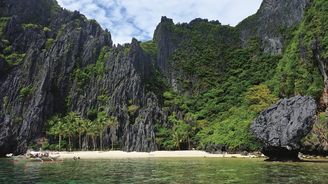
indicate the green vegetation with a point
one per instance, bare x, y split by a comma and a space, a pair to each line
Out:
127, 49
31, 26
156, 82
229, 128
61, 31
149, 47
225, 86
83, 75
203, 60
103, 99
3, 24
49, 43
317, 140
232, 128
259, 97
46, 29
8, 49
14, 59
54, 6
73, 127
93, 21
25, 91
5, 101
298, 72
132, 109
8, 54
18, 120
177, 136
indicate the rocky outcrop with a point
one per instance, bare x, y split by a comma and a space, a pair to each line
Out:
281, 127
163, 37
53, 61
32, 11
167, 42
271, 23
122, 85
36, 88
59, 67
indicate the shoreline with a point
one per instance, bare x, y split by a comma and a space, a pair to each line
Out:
155, 154
87, 155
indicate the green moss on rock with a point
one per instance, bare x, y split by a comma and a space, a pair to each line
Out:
25, 91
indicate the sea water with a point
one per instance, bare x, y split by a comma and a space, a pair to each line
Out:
162, 170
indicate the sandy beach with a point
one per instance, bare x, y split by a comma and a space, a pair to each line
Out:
156, 154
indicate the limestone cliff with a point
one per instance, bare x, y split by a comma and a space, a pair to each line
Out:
272, 21
53, 61
46, 52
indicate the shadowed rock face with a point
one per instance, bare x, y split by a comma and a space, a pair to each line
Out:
271, 15
281, 127
49, 73
55, 43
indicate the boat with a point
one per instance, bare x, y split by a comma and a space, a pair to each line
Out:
32, 156
9, 155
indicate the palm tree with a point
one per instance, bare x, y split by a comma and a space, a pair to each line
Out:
101, 122
87, 126
93, 132
70, 126
112, 123
180, 133
80, 129
56, 128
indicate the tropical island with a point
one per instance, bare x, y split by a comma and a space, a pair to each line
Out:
195, 86
198, 102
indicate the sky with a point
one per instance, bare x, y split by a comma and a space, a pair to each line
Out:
126, 19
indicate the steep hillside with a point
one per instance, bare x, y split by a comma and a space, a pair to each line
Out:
222, 77
195, 85
273, 23
54, 61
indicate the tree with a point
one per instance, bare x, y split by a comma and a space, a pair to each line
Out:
56, 128
81, 127
164, 137
73, 125
71, 122
317, 139
92, 131
101, 124
112, 124
181, 131
191, 120
87, 126
259, 98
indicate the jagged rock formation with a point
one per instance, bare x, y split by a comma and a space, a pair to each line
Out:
163, 38
51, 47
53, 61
271, 22
281, 127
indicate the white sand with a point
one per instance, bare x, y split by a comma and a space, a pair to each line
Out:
156, 154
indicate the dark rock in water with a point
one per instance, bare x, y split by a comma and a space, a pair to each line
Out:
281, 127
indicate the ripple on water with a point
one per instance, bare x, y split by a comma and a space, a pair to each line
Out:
170, 170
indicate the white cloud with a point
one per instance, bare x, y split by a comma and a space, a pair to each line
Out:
138, 18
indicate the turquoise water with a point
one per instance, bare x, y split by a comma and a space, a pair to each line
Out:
195, 170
